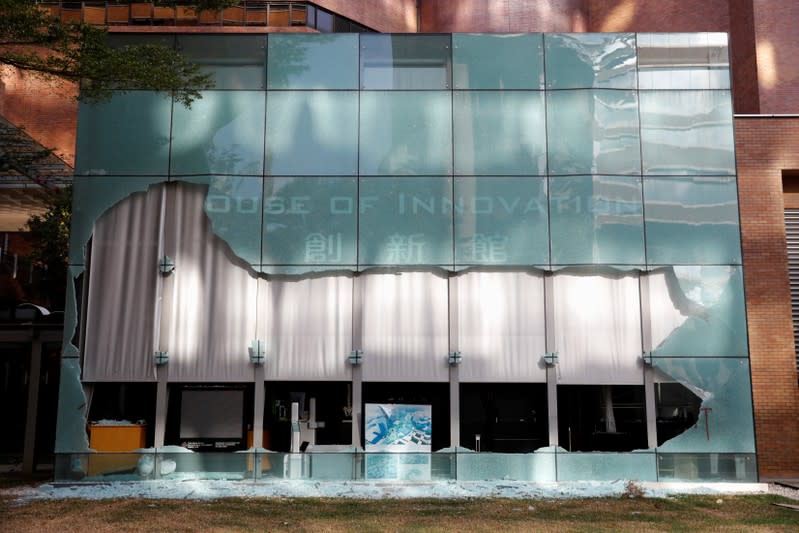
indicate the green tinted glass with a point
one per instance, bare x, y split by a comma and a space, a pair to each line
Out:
501, 221
235, 62
593, 132
312, 133
313, 61
222, 133
232, 204
697, 311
692, 221
498, 61
500, 133
585, 60
126, 135
310, 221
683, 61
596, 220
405, 61
406, 133
724, 422
405, 221
687, 132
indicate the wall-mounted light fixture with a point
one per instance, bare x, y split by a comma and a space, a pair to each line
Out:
257, 352
454, 358
356, 357
160, 358
166, 265
551, 358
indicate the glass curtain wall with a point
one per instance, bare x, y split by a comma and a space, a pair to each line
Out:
577, 192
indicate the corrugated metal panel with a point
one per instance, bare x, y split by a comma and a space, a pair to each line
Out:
792, 237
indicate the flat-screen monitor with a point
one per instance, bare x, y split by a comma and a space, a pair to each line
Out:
211, 418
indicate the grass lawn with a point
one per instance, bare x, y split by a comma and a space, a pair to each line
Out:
690, 513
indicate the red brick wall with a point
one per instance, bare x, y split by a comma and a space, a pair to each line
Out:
746, 96
397, 16
47, 110
777, 53
502, 16
660, 15
765, 147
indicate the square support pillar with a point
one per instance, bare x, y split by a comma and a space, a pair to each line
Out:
552, 370
35, 370
649, 371
357, 372
258, 408
454, 369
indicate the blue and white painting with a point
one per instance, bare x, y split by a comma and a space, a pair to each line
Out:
398, 428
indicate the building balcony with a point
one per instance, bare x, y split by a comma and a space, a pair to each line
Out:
303, 16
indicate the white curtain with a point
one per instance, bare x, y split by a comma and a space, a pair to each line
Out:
210, 319
597, 329
308, 327
122, 287
666, 315
405, 326
501, 327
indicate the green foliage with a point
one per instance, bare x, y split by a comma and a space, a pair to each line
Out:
33, 41
50, 232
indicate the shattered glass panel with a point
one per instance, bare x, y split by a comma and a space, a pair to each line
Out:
498, 61
122, 466
233, 205
725, 416
499, 133
687, 132
310, 221
697, 311
692, 221
593, 132
405, 221
405, 133
91, 197
501, 221
127, 135
72, 410
312, 133
327, 61
641, 466
596, 220
71, 316
222, 133
585, 60
124, 257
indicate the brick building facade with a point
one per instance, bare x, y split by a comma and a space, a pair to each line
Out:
763, 51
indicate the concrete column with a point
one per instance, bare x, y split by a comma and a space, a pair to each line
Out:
258, 408
163, 312
552, 370
649, 371
35, 370
161, 403
454, 370
357, 371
